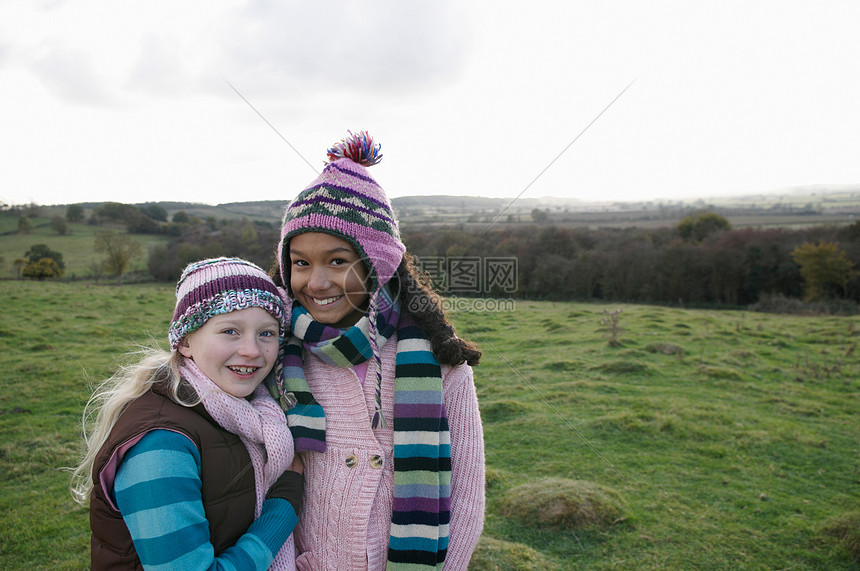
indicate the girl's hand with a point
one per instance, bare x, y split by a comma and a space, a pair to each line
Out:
297, 465
290, 485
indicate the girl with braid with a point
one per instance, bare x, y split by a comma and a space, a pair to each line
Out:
376, 385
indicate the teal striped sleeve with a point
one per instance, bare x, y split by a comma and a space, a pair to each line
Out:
158, 491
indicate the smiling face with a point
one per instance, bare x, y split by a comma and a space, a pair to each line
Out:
235, 350
328, 278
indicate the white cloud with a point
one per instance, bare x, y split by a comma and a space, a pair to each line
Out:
70, 73
385, 48
159, 68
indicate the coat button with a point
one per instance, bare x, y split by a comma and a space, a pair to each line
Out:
376, 461
351, 461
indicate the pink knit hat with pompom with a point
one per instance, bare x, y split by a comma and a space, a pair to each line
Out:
346, 202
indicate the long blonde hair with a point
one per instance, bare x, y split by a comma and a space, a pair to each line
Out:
111, 398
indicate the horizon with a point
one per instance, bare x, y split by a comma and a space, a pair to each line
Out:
810, 190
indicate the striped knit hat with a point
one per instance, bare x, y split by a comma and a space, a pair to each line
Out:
220, 285
346, 202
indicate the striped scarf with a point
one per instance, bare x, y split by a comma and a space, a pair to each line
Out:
422, 445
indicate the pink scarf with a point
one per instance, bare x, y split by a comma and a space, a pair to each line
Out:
261, 426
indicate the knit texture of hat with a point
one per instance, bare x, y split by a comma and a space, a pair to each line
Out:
220, 285
346, 202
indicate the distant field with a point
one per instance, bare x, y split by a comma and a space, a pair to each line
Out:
789, 208
77, 247
649, 220
728, 439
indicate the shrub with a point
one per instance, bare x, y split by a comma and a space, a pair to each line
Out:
59, 225
697, 228
826, 269
41, 269
25, 225
610, 324
39, 251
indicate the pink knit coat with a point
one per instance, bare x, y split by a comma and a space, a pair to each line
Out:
349, 488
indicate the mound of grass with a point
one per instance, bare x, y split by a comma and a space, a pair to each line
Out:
721, 373
474, 329
558, 503
646, 422
551, 326
497, 555
664, 348
846, 530
563, 366
495, 478
624, 368
497, 411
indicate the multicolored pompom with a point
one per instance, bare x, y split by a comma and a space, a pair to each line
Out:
357, 147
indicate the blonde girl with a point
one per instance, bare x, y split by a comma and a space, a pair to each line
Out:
188, 464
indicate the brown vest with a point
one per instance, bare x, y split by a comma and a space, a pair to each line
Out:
226, 473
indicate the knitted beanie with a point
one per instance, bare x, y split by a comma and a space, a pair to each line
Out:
346, 202
220, 285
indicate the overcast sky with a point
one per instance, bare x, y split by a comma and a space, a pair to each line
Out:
130, 101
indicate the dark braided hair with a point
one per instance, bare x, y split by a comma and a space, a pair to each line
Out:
424, 305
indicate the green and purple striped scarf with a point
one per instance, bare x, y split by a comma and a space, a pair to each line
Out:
422, 444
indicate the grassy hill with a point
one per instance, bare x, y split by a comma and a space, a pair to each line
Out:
700, 440
77, 247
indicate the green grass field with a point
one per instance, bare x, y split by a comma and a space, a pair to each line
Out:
713, 439
77, 247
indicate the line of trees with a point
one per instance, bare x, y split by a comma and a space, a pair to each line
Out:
700, 261
252, 241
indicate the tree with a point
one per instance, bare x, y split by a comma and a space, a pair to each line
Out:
155, 211
697, 228
31, 210
25, 225
39, 251
181, 217
825, 269
540, 216
19, 266
136, 220
44, 268
119, 250
59, 225
75, 213
96, 270
116, 211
